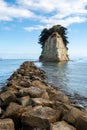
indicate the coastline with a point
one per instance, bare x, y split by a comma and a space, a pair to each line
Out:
36, 104
69, 79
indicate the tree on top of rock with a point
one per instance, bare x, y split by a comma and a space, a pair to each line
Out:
62, 31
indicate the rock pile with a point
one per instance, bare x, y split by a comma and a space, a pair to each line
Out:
28, 102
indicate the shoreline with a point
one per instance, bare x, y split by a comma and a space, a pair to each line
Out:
72, 93
80, 99
28, 102
77, 99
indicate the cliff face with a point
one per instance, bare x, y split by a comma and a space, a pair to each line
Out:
54, 49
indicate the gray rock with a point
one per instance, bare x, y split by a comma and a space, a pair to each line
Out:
62, 125
34, 92
6, 124
40, 84
24, 101
81, 122
59, 96
41, 101
7, 97
72, 115
40, 117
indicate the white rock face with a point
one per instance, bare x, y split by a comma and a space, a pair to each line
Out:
54, 49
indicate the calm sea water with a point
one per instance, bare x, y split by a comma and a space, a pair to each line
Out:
70, 77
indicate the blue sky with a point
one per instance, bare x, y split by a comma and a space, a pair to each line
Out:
21, 22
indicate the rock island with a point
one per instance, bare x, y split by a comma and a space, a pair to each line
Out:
54, 44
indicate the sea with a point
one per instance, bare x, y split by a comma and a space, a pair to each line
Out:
70, 77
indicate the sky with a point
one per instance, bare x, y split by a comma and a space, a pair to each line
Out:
21, 22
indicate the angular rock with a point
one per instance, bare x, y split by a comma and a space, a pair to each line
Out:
6, 124
81, 122
24, 101
24, 83
40, 117
72, 115
60, 96
62, 125
7, 97
21, 71
13, 89
39, 84
14, 111
62, 106
51, 91
34, 92
45, 95
41, 101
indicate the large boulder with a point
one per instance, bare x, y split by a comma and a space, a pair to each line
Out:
6, 124
7, 97
62, 125
59, 96
40, 84
65, 108
34, 92
81, 122
24, 101
73, 115
24, 83
40, 117
14, 111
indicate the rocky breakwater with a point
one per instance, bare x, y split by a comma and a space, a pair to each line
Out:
28, 102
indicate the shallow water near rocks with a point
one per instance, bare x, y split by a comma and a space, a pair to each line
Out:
70, 77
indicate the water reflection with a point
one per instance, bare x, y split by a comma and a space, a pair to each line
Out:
68, 76
57, 73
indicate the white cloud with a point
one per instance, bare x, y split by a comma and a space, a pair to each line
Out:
65, 22
9, 12
38, 27
65, 7
47, 12
41, 5
63, 12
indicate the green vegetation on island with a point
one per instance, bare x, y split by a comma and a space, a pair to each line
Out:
62, 31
